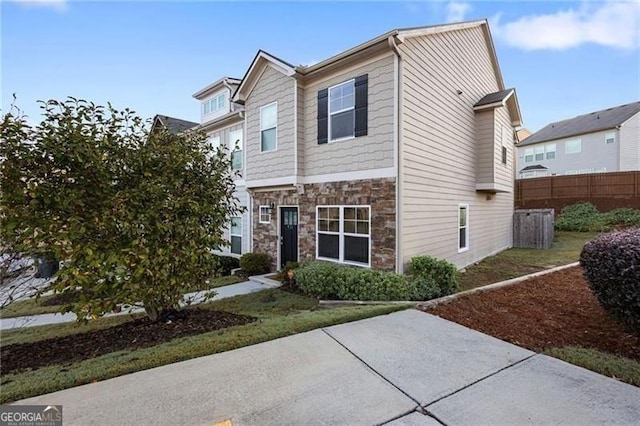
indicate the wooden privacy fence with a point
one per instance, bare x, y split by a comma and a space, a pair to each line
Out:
607, 191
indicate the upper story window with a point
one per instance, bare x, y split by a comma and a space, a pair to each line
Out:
528, 155
610, 137
269, 127
235, 146
539, 150
343, 110
214, 104
573, 146
550, 151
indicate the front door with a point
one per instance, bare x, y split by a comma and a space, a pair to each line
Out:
288, 235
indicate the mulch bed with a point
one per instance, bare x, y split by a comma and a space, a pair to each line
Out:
555, 310
136, 334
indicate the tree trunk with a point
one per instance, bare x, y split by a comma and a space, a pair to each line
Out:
152, 313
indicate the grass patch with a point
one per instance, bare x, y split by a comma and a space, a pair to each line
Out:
621, 368
279, 314
516, 262
29, 306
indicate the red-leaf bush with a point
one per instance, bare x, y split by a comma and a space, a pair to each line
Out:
611, 265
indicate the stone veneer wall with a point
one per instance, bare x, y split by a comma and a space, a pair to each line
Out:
380, 194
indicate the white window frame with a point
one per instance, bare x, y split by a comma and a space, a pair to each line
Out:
548, 150
539, 150
526, 154
329, 113
267, 214
219, 102
609, 136
275, 127
231, 234
573, 151
232, 145
341, 234
466, 228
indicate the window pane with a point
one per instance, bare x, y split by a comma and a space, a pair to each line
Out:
342, 124
350, 226
236, 226
323, 225
329, 246
349, 213
235, 140
463, 216
551, 155
463, 238
334, 225
356, 249
334, 213
269, 117
236, 245
236, 160
363, 228
363, 213
268, 140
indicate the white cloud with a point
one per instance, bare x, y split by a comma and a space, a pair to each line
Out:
612, 24
59, 5
457, 11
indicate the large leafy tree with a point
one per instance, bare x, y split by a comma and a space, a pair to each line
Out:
132, 215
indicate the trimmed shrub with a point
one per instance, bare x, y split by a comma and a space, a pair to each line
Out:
623, 218
611, 265
224, 264
318, 279
255, 263
580, 217
432, 277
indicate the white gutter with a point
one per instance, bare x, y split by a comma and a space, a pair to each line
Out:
396, 148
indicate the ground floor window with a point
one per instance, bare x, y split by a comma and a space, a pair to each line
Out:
344, 234
463, 227
236, 235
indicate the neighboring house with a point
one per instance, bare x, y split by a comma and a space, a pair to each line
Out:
400, 146
601, 141
173, 125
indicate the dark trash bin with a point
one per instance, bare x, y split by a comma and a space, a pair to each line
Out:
47, 268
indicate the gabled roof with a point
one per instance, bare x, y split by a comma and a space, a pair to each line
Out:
224, 81
173, 125
388, 40
609, 118
500, 98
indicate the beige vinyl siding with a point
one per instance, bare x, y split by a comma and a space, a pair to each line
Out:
485, 136
629, 137
300, 129
272, 86
373, 151
503, 173
439, 151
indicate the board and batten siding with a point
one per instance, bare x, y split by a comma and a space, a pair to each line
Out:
439, 151
373, 151
242, 196
629, 137
272, 86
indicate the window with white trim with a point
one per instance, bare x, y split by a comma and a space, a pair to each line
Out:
550, 151
235, 147
343, 234
573, 146
265, 214
269, 127
214, 104
463, 227
528, 155
342, 115
610, 137
236, 235
539, 150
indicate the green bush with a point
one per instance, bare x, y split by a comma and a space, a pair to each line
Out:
224, 264
255, 263
318, 279
432, 277
623, 218
580, 217
611, 265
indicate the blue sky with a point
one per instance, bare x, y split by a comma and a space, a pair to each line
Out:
564, 58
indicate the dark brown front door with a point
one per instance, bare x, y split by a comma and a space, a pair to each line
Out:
288, 235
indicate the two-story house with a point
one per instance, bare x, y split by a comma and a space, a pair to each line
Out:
400, 146
601, 141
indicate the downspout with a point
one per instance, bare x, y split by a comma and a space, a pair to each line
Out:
244, 178
397, 99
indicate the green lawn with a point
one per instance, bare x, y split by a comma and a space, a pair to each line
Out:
621, 368
31, 307
279, 314
516, 262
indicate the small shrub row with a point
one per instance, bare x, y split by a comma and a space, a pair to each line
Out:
428, 278
224, 264
584, 216
611, 265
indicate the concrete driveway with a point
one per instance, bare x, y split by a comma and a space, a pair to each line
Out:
406, 368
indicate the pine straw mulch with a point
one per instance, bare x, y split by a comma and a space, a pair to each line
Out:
551, 311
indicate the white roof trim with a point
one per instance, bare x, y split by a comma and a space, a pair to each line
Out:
417, 32
261, 58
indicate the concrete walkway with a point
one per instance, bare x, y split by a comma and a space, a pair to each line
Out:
406, 368
245, 287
